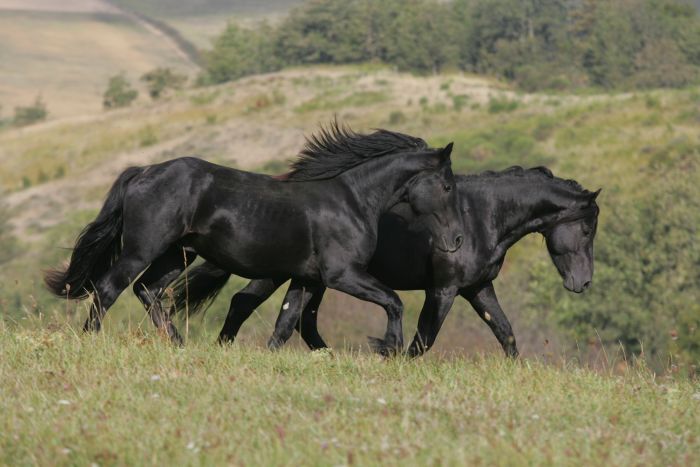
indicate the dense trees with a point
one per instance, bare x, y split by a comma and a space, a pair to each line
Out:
535, 43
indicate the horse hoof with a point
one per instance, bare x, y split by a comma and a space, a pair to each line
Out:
381, 347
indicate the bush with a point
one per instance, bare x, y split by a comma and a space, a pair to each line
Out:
160, 80
30, 114
645, 293
397, 117
502, 104
119, 93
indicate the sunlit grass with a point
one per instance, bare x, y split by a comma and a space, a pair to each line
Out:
134, 399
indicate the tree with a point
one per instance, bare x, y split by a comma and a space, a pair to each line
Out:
119, 93
239, 52
160, 80
325, 31
422, 37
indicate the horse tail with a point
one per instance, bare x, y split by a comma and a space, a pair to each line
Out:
195, 290
97, 246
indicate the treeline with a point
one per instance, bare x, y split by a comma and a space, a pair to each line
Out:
538, 44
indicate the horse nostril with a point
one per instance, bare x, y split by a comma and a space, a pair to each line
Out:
458, 241
586, 285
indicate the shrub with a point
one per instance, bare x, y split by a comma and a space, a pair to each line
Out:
502, 104
160, 80
397, 117
30, 114
119, 93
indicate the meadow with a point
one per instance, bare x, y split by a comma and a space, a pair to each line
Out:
132, 398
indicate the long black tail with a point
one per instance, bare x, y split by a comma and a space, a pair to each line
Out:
196, 289
97, 246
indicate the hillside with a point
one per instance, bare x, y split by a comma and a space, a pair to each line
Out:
66, 52
620, 142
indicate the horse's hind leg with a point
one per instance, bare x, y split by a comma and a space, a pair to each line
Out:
294, 302
308, 325
244, 303
150, 287
111, 284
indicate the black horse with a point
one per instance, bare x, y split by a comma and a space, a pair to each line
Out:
317, 225
500, 209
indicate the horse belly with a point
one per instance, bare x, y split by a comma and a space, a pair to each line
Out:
260, 254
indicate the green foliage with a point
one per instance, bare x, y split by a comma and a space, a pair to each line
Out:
160, 80
537, 44
239, 52
119, 93
397, 117
502, 104
645, 293
30, 114
8, 243
493, 149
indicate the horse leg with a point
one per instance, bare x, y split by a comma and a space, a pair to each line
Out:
112, 284
307, 325
149, 288
294, 302
435, 308
244, 303
486, 305
360, 284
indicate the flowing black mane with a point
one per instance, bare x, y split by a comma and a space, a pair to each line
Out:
540, 171
337, 148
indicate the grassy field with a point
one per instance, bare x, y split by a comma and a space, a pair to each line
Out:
134, 399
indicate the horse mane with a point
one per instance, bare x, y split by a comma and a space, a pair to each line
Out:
541, 171
336, 148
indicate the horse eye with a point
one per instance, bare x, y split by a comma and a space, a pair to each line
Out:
448, 188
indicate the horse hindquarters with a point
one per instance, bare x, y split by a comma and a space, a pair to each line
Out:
153, 222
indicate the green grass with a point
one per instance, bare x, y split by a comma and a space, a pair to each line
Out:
133, 399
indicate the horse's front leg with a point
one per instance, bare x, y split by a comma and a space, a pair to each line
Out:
435, 308
358, 283
486, 304
294, 302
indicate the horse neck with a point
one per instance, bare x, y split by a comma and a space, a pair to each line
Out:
376, 182
517, 207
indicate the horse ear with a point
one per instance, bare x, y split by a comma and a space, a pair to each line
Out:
446, 152
595, 194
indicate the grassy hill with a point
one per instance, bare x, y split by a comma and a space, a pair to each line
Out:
130, 399
66, 52
56, 174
